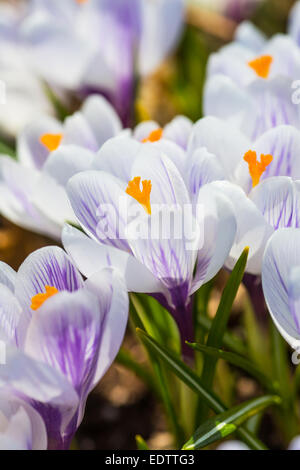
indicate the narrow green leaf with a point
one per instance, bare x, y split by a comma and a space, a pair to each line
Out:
219, 324
7, 150
138, 316
238, 361
282, 372
61, 111
188, 376
230, 341
141, 443
226, 423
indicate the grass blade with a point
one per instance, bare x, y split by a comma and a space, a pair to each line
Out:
226, 423
187, 375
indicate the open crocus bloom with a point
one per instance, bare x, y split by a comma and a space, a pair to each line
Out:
281, 282
62, 335
252, 57
100, 45
49, 153
267, 172
250, 82
145, 220
21, 426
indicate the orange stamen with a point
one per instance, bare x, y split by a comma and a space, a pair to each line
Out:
51, 141
256, 168
81, 1
143, 197
38, 300
154, 136
262, 65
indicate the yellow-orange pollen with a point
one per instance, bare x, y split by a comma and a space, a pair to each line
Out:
81, 1
38, 300
143, 197
154, 136
51, 141
256, 168
262, 65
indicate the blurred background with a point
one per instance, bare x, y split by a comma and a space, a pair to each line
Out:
122, 406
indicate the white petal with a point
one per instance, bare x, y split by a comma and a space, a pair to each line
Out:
282, 255
90, 257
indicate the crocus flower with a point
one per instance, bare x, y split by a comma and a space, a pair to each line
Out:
62, 335
21, 426
281, 282
49, 153
166, 232
262, 181
250, 81
100, 45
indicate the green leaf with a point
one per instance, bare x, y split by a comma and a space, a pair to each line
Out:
226, 423
238, 361
7, 150
157, 320
138, 316
230, 341
219, 324
141, 443
61, 111
188, 376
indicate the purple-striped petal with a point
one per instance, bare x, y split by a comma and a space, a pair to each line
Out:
48, 266
65, 333
202, 167
10, 314
280, 277
47, 390
89, 256
8, 276
275, 198
102, 206
218, 230
24, 428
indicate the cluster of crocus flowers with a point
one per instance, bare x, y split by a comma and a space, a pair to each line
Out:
61, 334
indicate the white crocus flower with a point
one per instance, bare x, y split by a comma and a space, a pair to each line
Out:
50, 152
33, 187
61, 335
165, 229
262, 181
250, 81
